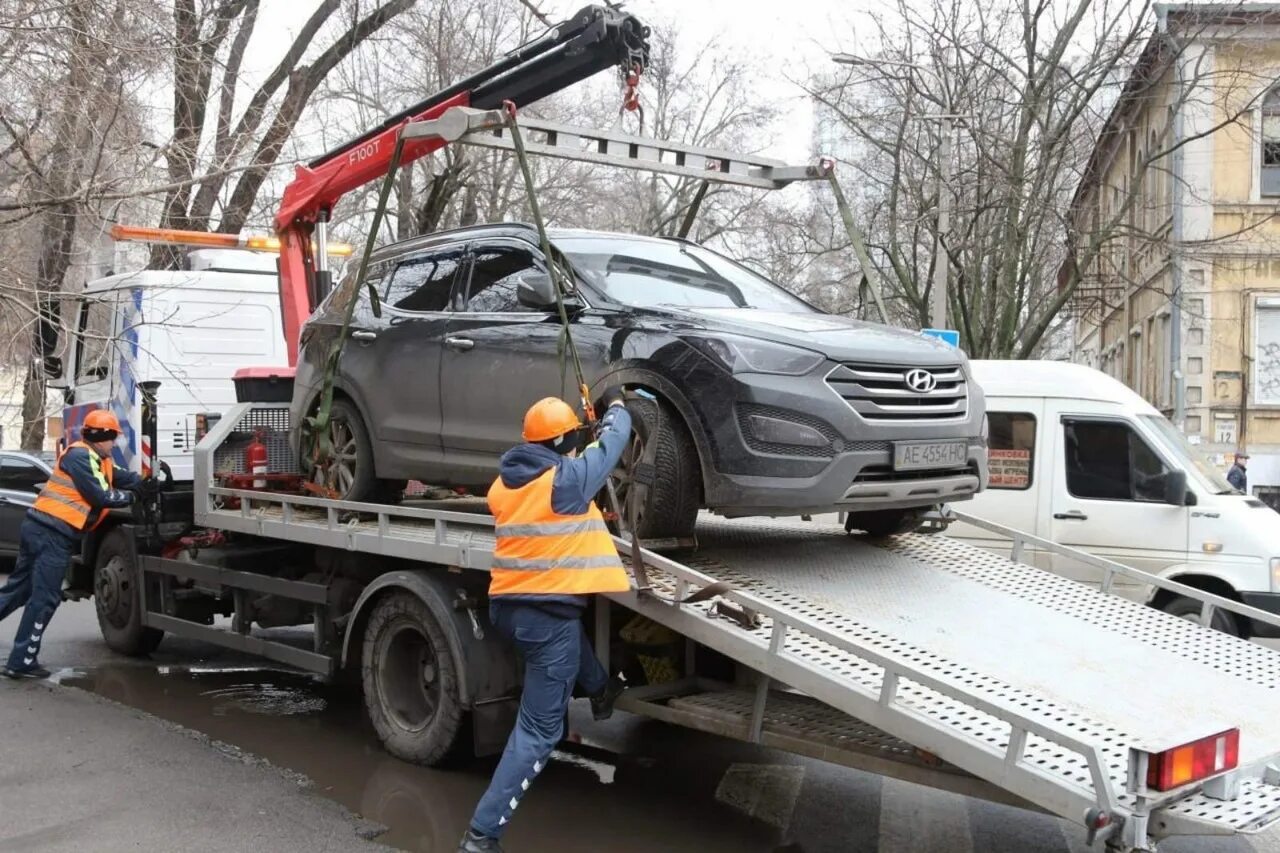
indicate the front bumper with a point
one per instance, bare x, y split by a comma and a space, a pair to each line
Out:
845, 462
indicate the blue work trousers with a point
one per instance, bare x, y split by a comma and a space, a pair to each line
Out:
556, 654
43, 557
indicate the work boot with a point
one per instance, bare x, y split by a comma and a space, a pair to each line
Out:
602, 705
32, 672
474, 842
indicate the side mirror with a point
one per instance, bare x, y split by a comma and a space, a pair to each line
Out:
1175, 488
536, 291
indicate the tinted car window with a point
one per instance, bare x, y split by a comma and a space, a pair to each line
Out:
1109, 461
20, 475
495, 277
651, 273
423, 284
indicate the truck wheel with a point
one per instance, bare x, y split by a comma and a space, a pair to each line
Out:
351, 474
1189, 609
410, 680
885, 522
659, 469
117, 583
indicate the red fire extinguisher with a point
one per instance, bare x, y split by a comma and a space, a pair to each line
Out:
255, 461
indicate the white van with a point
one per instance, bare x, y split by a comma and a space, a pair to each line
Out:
189, 330
1079, 459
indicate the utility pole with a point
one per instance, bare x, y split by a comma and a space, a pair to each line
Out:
941, 264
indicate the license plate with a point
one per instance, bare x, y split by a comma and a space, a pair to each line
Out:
921, 455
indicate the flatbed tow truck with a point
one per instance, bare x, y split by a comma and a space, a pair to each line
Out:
914, 656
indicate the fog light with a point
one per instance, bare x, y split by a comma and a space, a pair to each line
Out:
776, 431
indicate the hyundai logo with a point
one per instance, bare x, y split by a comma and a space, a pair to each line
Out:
921, 381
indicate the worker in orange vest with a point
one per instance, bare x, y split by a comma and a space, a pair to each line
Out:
553, 552
80, 491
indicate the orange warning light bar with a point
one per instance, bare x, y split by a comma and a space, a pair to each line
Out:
139, 234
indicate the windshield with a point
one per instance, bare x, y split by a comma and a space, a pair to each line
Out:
1188, 455
653, 273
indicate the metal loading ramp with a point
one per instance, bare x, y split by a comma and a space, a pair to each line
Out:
1034, 683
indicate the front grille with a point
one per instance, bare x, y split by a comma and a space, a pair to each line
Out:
886, 474
881, 392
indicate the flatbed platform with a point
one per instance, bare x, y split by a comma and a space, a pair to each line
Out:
917, 656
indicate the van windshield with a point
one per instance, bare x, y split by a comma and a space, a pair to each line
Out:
1188, 455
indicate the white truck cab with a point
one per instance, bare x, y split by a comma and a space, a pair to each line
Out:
1078, 458
188, 329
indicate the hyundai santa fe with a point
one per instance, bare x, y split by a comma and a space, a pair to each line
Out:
755, 403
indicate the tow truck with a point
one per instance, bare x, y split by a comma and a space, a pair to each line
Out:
914, 656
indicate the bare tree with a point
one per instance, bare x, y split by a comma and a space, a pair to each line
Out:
1028, 86
72, 118
211, 42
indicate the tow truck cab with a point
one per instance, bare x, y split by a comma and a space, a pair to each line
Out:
1078, 458
187, 329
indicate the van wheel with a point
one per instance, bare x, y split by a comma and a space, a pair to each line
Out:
410, 681
885, 522
1189, 609
350, 474
117, 581
659, 469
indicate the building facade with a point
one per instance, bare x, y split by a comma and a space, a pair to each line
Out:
1177, 233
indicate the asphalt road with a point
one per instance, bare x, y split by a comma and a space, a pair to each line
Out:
203, 749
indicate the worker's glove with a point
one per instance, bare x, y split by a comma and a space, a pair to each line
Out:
147, 487
614, 396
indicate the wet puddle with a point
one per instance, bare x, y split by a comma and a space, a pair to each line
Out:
640, 787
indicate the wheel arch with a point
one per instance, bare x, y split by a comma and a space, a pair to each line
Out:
666, 391
485, 665
1206, 583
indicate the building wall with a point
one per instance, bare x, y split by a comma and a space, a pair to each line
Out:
1230, 267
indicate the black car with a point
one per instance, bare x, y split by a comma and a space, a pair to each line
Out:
22, 476
764, 404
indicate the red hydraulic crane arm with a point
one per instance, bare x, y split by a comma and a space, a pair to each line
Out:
596, 38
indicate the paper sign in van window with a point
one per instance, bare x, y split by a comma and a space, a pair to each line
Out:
1010, 469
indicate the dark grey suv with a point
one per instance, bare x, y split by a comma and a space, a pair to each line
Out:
764, 405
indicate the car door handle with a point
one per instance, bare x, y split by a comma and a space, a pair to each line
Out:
459, 343
364, 335
1073, 515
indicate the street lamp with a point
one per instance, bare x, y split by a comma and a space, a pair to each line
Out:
941, 268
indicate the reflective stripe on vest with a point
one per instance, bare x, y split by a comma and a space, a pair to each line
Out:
540, 552
60, 499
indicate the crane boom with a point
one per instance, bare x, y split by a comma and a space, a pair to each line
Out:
596, 38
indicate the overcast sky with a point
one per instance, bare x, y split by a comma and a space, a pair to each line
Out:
788, 39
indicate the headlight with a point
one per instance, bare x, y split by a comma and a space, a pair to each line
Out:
753, 355
1275, 574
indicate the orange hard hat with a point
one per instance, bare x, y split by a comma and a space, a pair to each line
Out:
549, 418
101, 419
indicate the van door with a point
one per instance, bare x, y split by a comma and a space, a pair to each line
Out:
1108, 499
1018, 473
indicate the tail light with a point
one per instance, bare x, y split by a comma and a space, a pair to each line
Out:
1193, 761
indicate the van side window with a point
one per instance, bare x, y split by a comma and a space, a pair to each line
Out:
1107, 460
1011, 448
423, 284
495, 277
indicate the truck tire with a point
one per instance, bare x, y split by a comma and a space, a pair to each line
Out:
662, 450
351, 474
117, 582
880, 523
1188, 608
410, 680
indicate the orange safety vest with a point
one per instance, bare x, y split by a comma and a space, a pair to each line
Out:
541, 552
60, 499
